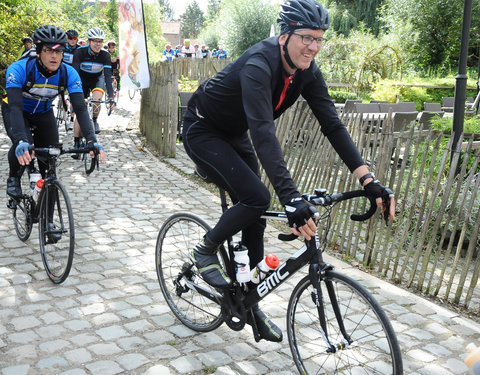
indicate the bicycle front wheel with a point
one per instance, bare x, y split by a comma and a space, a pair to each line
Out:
178, 277
374, 349
56, 232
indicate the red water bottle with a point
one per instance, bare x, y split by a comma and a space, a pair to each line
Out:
267, 264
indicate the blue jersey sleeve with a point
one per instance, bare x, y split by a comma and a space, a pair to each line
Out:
16, 74
74, 83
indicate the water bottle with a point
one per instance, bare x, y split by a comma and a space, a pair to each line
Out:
473, 359
242, 263
267, 264
38, 188
34, 177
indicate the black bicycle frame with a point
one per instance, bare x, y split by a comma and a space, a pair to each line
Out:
309, 252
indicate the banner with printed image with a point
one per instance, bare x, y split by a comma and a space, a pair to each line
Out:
134, 73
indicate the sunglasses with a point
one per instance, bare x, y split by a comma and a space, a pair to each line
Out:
73, 38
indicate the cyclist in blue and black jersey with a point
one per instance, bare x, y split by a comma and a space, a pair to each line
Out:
229, 126
71, 46
32, 84
94, 65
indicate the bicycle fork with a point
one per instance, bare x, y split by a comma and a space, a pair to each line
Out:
318, 274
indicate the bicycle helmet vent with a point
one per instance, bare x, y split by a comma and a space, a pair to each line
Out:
95, 33
50, 36
302, 14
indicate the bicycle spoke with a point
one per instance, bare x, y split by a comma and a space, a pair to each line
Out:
56, 233
374, 349
178, 279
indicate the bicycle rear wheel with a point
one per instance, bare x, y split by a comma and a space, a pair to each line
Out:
374, 349
56, 232
177, 275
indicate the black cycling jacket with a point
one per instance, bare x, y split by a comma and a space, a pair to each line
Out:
90, 66
244, 95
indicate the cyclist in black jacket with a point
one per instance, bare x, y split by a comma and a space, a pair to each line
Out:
248, 95
94, 65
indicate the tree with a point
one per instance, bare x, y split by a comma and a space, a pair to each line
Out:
213, 8
111, 15
20, 18
155, 40
166, 9
431, 31
347, 15
192, 20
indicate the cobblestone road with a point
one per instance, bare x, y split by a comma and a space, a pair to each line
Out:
109, 316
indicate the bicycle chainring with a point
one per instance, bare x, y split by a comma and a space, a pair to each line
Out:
233, 310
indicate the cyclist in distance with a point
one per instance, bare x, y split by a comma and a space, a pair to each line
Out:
27, 113
249, 94
112, 50
94, 65
27, 49
71, 46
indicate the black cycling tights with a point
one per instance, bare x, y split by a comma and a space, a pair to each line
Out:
41, 130
231, 163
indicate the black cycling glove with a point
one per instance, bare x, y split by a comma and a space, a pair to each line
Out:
298, 212
376, 190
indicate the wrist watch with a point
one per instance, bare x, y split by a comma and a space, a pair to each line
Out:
365, 176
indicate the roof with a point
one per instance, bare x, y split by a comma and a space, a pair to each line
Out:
172, 27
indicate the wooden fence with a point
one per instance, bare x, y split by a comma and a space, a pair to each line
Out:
159, 105
432, 246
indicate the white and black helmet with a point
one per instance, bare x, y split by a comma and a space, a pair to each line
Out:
302, 14
95, 33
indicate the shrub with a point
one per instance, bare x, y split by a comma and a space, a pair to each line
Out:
342, 96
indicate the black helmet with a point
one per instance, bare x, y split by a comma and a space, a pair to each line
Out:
111, 44
50, 36
72, 33
27, 39
302, 14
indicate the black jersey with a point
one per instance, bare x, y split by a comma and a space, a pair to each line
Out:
90, 66
250, 93
68, 53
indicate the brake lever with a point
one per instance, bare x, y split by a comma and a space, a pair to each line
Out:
386, 204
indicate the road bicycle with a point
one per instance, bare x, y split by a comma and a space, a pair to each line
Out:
52, 211
334, 325
63, 114
93, 103
87, 160
116, 91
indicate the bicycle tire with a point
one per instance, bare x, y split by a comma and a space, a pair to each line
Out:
22, 209
57, 253
375, 348
61, 113
131, 93
177, 237
22, 217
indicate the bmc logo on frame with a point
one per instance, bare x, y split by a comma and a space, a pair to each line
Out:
272, 281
